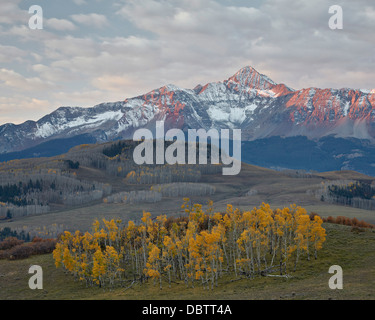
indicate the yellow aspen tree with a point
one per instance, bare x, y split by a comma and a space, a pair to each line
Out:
317, 235
302, 236
112, 263
146, 235
129, 239
287, 246
279, 230
152, 269
160, 227
99, 267
58, 254
169, 255
112, 231
194, 262
68, 260
245, 243
212, 253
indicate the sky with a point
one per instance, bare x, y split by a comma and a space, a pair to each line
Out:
94, 51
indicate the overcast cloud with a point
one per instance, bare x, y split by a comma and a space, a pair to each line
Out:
99, 51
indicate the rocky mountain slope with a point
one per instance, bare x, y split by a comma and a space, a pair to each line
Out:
248, 100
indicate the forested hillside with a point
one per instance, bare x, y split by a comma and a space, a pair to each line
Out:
38, 186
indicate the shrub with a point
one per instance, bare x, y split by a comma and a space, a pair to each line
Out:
312, 215
354, 222
20, 252
24, 250
9, 243
3, 254
330, 219
43, 246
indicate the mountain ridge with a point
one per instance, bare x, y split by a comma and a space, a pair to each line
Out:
248, 100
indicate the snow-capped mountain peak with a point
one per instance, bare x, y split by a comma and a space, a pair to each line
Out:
247, 100
250, 77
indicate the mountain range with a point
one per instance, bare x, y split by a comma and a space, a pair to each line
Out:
250, 101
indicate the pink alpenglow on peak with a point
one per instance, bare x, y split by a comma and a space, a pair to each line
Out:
248, 100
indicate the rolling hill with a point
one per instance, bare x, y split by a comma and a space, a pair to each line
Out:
85, 184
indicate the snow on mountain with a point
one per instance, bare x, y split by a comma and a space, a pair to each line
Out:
47, 129
248, 100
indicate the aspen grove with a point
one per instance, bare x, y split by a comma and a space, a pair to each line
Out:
197, 248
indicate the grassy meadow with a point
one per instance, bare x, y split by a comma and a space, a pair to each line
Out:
353, 251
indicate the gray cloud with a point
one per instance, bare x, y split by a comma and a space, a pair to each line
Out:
182, 42
91, 19
60, 24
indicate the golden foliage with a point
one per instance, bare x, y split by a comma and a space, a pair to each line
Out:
198, 248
